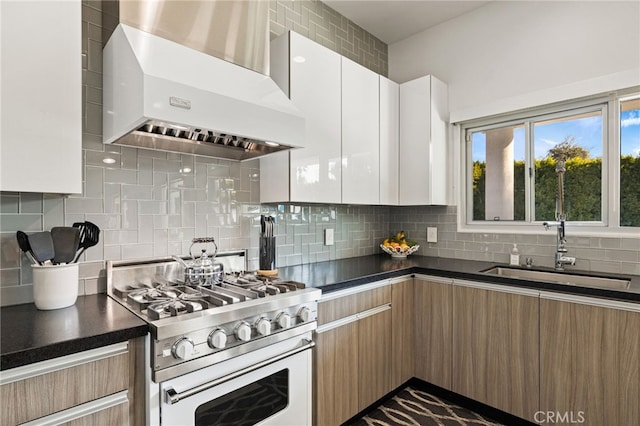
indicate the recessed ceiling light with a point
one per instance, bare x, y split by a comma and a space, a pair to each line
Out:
185, 170
108, 160
299, 59
272, 143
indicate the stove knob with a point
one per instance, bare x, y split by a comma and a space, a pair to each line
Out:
284, 320
217, 339
243, 332
183, 348
263, 326
305, 314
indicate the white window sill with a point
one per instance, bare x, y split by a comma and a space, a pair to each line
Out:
572, 229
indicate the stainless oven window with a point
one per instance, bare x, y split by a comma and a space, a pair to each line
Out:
247, 405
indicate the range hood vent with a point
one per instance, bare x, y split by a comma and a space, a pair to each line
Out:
162, 95
189, 140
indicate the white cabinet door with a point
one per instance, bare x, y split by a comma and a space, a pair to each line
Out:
41, 134
315, 90
423, 141
389, 143
310, 74
360, 134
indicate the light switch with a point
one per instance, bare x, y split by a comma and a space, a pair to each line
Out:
432, 234
328, 237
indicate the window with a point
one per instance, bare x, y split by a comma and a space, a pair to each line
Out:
577, 141
630, 162
498, 173
556, 162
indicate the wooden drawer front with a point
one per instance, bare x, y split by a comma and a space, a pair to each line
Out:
336, 375
48, 393
118, 415
351, 304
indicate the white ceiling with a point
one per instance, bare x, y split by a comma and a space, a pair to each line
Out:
395, 20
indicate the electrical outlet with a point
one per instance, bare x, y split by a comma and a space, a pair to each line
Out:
328, 237
432, 234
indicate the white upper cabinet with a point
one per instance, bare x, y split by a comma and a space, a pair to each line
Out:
423, 142
360, 134
41, 83
368, 139
310, 74
389, 134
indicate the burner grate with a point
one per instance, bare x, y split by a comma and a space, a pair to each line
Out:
175, 307
162, 298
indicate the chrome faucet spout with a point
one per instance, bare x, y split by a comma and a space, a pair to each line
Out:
547, 225
561, 258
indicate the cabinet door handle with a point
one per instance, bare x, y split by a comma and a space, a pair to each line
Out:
352, 318
81, 410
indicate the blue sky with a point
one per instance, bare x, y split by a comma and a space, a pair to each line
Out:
587, 132
630, 132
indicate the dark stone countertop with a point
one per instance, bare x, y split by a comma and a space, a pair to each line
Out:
28, 335
344, 273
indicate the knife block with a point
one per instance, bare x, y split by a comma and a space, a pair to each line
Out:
267, 253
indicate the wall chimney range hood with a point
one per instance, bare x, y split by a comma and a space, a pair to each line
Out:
164, 95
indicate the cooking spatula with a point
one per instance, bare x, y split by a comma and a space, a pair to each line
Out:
66, 240
23, 243
89, 236
42, 246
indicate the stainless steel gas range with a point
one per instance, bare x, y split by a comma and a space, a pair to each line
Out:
236, 351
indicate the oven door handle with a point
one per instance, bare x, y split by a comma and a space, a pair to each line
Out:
172, 397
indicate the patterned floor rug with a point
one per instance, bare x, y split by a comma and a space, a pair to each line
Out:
416, 408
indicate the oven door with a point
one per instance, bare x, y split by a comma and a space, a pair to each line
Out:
274, 391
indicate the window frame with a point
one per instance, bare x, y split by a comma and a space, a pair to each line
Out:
609, 225
616, 154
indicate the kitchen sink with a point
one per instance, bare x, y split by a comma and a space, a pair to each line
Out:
559, 277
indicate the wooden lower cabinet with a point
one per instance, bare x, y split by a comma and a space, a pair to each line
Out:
590, 364
59, 386
374, 358
532, 354
351, 367
496, 349
353, 355
432, 331
336, 375
402, 333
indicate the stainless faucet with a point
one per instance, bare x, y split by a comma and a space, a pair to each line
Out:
561, 250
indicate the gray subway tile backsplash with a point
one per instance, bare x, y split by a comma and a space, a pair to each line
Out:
121, 176
607, 243
630, 244
621, 255
9, 277
9, 203
21, 222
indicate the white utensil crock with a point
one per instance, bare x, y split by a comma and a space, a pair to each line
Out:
55, 286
